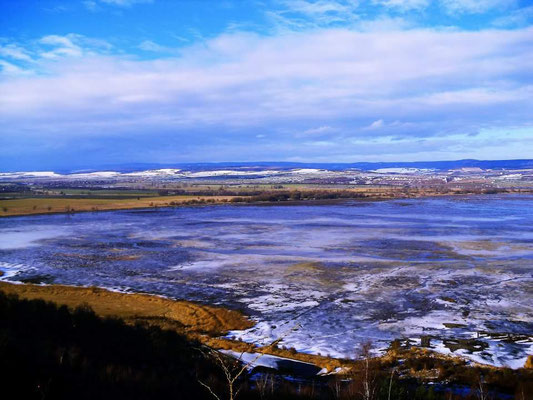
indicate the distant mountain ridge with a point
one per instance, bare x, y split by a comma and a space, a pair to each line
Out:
250, 166
365, 166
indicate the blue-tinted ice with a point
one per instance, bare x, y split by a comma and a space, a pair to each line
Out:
452, 268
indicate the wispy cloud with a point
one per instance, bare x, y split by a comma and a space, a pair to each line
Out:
436, 81
99, 5
14, 51
325, 81
60, 46
125, 3
474, 6
91, 5
18, 58
319, 130
312, 14
404, 5
8, 68
71, 45
515, 18
379, 123
330, 10
148, 45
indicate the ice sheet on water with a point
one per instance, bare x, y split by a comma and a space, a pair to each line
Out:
18, 238
10, 270
323, 278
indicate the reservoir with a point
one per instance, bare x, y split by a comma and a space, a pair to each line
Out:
326, 277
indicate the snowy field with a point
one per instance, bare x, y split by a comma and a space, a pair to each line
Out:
324, 277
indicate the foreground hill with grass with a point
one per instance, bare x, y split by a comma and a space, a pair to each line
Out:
140, 347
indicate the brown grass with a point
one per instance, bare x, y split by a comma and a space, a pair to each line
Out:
186, 317
201, 322
47, 205
50, 205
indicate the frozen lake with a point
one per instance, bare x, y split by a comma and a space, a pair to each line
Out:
457, 269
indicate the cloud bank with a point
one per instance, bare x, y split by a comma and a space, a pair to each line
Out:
374, 94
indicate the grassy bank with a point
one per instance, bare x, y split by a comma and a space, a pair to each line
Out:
55, 352
116, 345
185, 317
51, 205
126, 199
197, 321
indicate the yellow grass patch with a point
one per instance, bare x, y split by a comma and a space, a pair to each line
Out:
64, 204
184, 316
201, 322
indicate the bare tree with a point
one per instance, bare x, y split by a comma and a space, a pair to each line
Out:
336, 387
482, 392
265, 383
233, 368
368, 373
390, 381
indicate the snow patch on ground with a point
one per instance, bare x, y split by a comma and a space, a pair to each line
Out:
31, 174
401, 170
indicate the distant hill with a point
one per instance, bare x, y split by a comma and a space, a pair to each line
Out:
365, 166
279, 165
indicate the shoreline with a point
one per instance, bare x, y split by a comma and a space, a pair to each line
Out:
147, 203
202, 201
206, 323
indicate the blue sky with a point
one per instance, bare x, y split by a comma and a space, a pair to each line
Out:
94, 82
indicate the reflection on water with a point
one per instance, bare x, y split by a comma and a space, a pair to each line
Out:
451, 268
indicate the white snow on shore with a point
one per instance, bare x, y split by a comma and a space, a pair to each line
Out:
253, 360
401, 170
9, 270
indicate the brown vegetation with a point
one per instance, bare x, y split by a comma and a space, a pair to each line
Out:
366, 377
185, 317
49, 205
202, 322
122, 200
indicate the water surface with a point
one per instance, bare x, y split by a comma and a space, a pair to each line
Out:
456, 269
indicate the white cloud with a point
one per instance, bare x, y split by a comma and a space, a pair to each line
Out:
322, 143
99, 5
125, 3
15, 52
320, 130
320, 7
474, 6
295, 15
91, 5
56, 40
61, 46
383, 24
514, 18
452, 7
71, 45
404, 5
435, 82
148, 45
7, 68
379, 123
